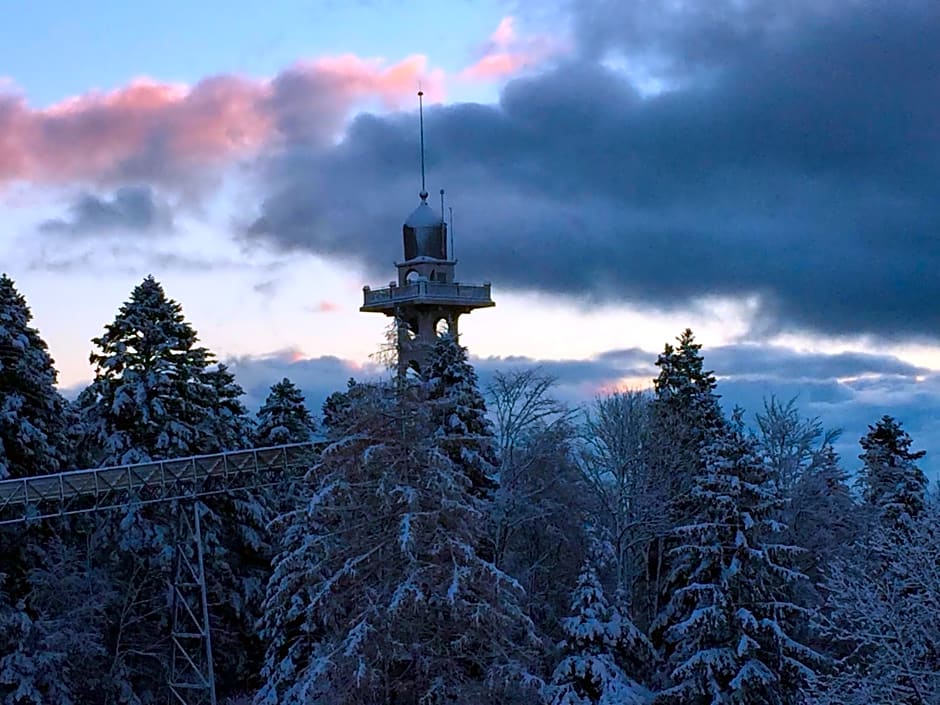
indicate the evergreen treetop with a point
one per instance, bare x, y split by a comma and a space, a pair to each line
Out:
227, 426
32, 413
451, 378
284, 417
149, 334
891, 481
685, 419
152, 397
685, 407
682, 373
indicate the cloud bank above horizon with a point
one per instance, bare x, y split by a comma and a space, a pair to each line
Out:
790, 156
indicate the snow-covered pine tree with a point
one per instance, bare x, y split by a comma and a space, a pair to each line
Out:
32, 413
156, 395
730, 626
685, 421
335, 407
52, 639
228, 425
685, 418
381, 595
151, 396
596, 634
33, 441
284, 417
458, 412
80, 418
29, 673
238, 546
891, 482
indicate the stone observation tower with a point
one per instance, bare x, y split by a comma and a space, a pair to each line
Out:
426, 301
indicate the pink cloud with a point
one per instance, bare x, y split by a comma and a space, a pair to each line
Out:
159, 132
325, 307
505, 32
507, 53
495, 66
395, 85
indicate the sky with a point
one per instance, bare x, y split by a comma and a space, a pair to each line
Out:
765, 173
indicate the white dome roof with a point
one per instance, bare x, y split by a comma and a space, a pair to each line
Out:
423, 217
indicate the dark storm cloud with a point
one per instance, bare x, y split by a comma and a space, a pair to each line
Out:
132, 209
793, 158
778, 362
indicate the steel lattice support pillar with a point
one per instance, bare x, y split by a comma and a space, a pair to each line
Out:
192, 681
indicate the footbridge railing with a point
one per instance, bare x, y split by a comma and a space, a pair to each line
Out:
82, 491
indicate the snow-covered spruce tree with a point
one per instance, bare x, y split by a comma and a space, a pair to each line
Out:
335, 407
151, 396
228, 426
596, 637
891, 482
156, 395
33, 441
239, 548
458, 413
685, 421
32, 413
84, 451
29, 673
730, 624
381, 595
284, 417
685, 418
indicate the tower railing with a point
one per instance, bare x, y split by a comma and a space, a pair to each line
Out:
428, 291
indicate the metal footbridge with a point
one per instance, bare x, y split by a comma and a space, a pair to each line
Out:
42, 497
83, 491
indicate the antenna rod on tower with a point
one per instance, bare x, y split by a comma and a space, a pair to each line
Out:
452, 255
444, 226
424, 190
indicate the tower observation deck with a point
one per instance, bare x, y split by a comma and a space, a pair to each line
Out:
426, 300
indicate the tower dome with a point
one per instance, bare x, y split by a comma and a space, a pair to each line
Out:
425, 233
